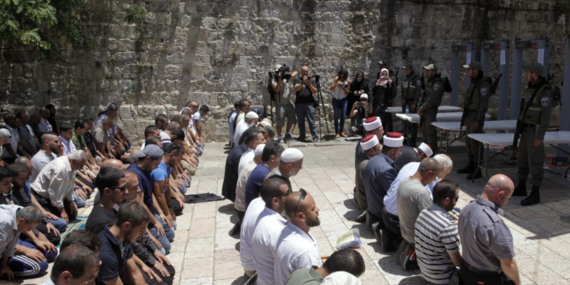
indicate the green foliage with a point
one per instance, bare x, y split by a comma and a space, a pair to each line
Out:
135, 13
39, 23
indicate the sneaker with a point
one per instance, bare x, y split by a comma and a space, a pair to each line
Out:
288, 135
315, 140
408, 258
279, 139
385, 241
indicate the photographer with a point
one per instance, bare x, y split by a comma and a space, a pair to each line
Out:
305, 88
340, 88
283, 105
358, 87
358, 113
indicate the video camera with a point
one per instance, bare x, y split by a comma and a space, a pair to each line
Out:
284, 72
317, 77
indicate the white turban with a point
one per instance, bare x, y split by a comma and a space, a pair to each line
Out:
369, 142
393, 140
426, 149
372, 123
259, 149
291, 155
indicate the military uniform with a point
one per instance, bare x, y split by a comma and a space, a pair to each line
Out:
530, 159
411, 93
476, 106
434, 90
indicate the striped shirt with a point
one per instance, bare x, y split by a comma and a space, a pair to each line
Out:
436, 237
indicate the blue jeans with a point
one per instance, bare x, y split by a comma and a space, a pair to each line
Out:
79, 202
306, 110
59, 224
165, 241
339, 107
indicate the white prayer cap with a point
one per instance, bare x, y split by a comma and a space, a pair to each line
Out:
369, 142
252, 115
259, 149
341, 278
265, 122
372, 123
291, 155
426, 149
393, 139
364, 96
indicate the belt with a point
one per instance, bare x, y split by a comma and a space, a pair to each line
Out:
479, 271
394, 217
525, 125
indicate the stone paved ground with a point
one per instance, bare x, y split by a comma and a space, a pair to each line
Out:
204, 253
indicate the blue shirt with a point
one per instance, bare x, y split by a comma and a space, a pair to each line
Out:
254, 181
378, 176
113, 256
162, 173
146, 184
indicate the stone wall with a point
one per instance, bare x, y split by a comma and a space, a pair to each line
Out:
215, 51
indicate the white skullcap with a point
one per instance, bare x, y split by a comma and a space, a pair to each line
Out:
341, 278
364, 96
393, 140
259, 149
369, 142
291, 155
372, 123
265, 122
252, 115
426, 149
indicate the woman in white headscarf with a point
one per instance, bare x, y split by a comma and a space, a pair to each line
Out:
382, 93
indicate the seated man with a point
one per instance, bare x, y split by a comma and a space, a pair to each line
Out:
101, 135
437, 240
75, 265
347, 260
371, 147
161, 178
80, 128
231, 171
250, 120
53, 187
390, 214
273, 193
50, 147
412, 154
118, 265
412, 198
296, 247
14, 261
239, 204
251, 141
270, 159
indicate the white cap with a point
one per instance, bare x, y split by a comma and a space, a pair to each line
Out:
265, 122
372, 123
364, 96
291, 155
341, 278
252, 115
393, 139
426, 149
430, 66
259, 149
369, 142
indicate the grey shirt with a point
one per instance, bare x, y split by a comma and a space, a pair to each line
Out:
305, 276
40, 160
485, 237
412, 198
8, 230
284, 95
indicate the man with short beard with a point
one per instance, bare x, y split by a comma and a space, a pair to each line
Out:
291, 163
251, 119
270, 159
251, 141
297, 247
270, 221
50, 147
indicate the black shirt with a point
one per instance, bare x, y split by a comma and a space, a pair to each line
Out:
99, 219
52, 122
304, 95
408, 154
90, 142
113, 256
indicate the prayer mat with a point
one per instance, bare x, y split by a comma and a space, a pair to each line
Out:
78, 223
201, 198
453, 216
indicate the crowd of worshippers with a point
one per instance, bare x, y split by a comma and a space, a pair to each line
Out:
50, 170
406, 202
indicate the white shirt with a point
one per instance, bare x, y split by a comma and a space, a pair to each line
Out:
296, 249
240, 129
55, 181
246, 157
247, 227
239, 203
391, 197
13, 142
68, 146
192, 124
44, 126
338, 92
231, 125
270, 222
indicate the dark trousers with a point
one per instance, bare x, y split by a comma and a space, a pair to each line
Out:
306, 110
529, 158
46, 204
473, 147
429, 133
165, 280
469, 276
176, 207
52, 237
392, 223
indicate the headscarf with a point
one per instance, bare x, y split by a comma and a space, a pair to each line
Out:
383, 82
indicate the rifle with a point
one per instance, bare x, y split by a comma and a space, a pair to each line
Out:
491, 93
520, 123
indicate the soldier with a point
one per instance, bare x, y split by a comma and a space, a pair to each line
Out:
411, 93
434, 89
475, 106
535, 117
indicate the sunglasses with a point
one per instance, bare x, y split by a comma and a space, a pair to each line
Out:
284, 194
122, 188
301, 197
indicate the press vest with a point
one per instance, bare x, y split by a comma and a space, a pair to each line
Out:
534, 112
409, 87
476, 97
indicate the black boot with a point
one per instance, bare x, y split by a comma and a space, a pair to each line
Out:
474, 175
520, 190
467, 169
533, 198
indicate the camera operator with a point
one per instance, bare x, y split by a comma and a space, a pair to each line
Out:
359, 113
284, 107
305, 88
340, 88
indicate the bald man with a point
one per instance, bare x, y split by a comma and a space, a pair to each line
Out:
486, 240
297, 247
115, 163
